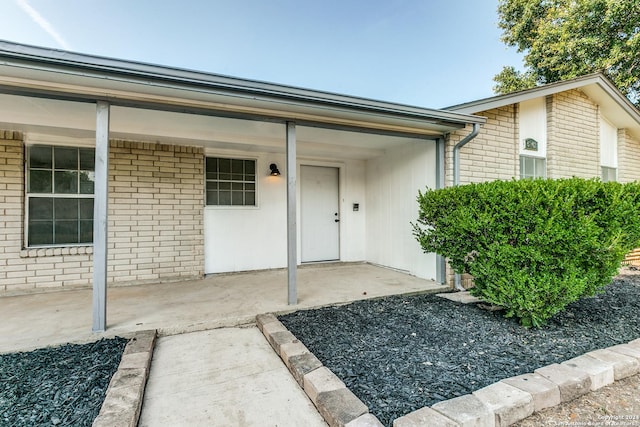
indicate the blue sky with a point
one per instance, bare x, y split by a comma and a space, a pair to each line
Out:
429, 53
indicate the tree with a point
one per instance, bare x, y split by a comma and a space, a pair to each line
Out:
564, 39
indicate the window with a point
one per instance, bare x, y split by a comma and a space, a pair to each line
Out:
533, 167
608, 151
60, 183
609, 174
230, 182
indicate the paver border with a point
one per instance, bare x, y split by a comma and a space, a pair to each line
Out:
123, 400
518, 394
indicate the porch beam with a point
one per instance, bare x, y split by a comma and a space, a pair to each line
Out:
292, 231
100, 205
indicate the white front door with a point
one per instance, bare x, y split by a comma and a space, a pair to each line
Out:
319, 214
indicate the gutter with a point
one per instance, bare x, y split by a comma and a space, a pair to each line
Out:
456, 181
45, 59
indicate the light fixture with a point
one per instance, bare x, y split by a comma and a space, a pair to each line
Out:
274, 170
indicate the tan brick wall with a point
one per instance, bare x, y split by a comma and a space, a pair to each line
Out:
628, 157
20, 269
573, 136
155, 212
155, 221
13, 272
493, 154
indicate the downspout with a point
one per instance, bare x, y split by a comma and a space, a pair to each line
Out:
456, 153
456, 181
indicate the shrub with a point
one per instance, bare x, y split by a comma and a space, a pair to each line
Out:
532, 246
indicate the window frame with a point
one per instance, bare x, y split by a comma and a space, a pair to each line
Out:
255, 182
608, 169
535, 159
29, 195
608, 150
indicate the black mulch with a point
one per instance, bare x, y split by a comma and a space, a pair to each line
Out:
63, 385
399, 354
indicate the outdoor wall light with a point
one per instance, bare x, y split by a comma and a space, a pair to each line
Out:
274, 170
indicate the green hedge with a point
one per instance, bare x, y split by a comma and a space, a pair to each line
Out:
532, 246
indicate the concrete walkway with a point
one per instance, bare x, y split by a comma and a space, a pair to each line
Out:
38, 320
200, 375
223, 377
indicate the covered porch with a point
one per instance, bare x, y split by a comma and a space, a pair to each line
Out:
38, 320
155, 142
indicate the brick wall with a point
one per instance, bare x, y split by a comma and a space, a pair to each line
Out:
628, 157
573, 136
155, 220
493, 154
13, 270
155, 212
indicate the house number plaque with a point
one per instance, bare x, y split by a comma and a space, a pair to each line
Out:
531, 144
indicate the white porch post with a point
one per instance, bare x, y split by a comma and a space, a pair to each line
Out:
101, 197
292, 233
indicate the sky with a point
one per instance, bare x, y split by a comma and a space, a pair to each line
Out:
426, 53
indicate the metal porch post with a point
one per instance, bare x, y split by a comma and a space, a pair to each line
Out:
292, 233
441, 264
101, 197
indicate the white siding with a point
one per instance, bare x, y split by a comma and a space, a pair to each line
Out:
393, 181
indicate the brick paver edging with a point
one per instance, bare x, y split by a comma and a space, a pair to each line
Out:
122, 404
501, 404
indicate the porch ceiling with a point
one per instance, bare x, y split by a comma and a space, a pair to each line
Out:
41, 117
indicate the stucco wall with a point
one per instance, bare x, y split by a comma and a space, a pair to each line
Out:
155, 220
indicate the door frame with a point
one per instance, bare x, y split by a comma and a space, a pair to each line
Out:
341, 204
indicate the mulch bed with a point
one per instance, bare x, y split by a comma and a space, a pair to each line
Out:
399, 354
63, 385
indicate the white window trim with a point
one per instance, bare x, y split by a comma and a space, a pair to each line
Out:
532, 157
28, 195
239, 156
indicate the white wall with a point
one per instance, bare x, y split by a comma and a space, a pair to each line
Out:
392, 184
255, 238
249, 238
533, 124
608, 144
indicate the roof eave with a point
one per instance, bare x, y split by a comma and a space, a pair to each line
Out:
588, 81
52, 60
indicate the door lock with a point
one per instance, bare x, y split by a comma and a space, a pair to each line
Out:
337, 219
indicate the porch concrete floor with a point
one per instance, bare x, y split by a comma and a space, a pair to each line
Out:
39, 320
